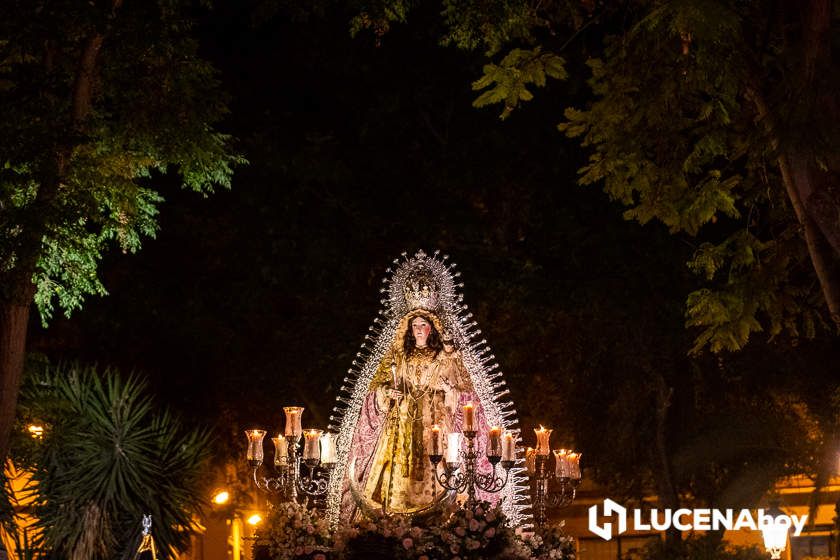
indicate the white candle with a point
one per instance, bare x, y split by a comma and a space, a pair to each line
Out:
531, 461
508, 446
543, 435
293, 416
469, 417
494, 442
561, 463
328, 451
574, 465
255, 444
453, 448
281, 450
436, 447
311, 448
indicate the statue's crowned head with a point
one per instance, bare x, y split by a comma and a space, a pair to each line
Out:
421, 289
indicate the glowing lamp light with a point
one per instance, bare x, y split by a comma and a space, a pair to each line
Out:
35, 430
775, 532
255, 519
222, 497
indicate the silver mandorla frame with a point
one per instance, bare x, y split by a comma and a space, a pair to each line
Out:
478, 360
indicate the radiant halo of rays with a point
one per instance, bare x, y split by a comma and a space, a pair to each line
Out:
478, 359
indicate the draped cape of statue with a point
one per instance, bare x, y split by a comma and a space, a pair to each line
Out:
398, 389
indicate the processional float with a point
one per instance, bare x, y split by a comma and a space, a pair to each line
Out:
524, 483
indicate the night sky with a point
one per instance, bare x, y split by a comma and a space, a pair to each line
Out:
260, 296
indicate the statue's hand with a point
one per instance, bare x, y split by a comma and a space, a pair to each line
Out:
394, 394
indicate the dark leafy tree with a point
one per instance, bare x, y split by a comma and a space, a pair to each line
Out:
97, 101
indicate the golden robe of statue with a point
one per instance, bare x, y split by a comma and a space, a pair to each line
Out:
420, 382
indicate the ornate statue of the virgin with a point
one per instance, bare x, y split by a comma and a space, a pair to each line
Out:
418, 367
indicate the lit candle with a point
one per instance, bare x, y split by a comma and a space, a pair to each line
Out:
574, 465
436, 447
561, 463
293, 415
281, 451
508, 446
453, 448
543, 436
531, 461
469, 417
311, 448
328, 451
255, 444
494, 442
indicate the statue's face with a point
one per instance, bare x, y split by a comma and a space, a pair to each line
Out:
420, 328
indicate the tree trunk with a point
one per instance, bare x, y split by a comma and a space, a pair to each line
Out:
810, 189
14, 318
826, 261
820, 202
797, 182
17, 289
668, 496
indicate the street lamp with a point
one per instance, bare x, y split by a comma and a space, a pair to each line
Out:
775, 531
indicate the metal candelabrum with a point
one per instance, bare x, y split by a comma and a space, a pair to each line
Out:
550, 490
290, 483
469, 478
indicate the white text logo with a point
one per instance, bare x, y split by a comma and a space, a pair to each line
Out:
686, 520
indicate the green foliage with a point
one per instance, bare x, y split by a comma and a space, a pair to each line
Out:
106, 458
751, 279
473, 24
673, 138
470, 24
82, 167
506, 82
378, 16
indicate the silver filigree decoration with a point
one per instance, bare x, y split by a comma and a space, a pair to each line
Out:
428, 282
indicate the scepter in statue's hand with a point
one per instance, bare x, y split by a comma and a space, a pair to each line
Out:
394, 394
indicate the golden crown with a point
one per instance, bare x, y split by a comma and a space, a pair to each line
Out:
421, 290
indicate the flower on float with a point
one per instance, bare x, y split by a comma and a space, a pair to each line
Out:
407, 543
489, 533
